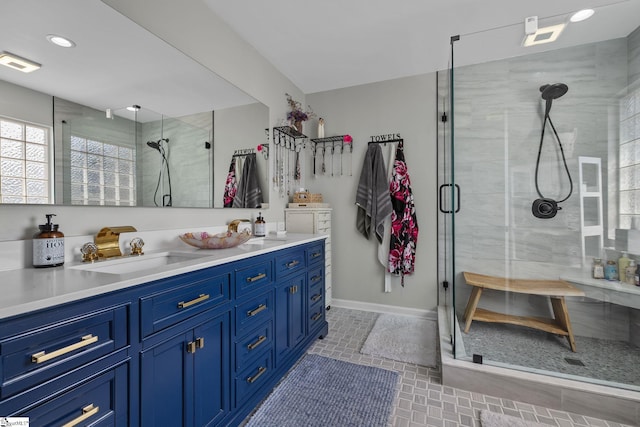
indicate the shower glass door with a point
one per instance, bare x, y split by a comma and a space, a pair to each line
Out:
539, 174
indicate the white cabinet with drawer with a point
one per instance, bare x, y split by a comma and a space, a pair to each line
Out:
316, 221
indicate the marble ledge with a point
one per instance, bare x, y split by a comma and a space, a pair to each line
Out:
611, 291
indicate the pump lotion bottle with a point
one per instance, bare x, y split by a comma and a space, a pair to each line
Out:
48, 245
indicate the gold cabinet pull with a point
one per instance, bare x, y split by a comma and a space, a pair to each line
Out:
199, 342
42, 356
261, 370
316, 278
292, 263
293, 289
191, 347
256, 310
87, 411
316, 254
316, 316
201, 297
259, 341
316, 297
255, 278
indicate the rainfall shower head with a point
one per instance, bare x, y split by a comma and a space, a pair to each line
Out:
554, 91
551, 92
153, 144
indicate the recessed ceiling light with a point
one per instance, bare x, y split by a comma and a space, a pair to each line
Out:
17, 63
543, 35
133, 108
581, 15
60, 41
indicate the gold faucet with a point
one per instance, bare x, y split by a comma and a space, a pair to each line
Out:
108, 240
233, 225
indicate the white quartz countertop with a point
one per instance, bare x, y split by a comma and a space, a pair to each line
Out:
28, 289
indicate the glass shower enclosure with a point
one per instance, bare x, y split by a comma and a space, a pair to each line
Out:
539, 175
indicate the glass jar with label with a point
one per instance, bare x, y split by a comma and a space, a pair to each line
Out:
611, 270
598, 269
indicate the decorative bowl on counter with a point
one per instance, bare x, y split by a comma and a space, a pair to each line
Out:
204, 240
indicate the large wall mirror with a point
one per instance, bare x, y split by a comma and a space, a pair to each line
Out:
121, 118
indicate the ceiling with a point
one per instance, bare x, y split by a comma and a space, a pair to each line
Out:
318, 46
327, 45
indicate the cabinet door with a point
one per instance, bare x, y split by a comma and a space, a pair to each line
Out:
212, 371
185, 380
290, 315
165, 384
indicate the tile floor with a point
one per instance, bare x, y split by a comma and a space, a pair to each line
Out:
421, 399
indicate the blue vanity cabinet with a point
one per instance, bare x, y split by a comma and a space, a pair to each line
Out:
201, 348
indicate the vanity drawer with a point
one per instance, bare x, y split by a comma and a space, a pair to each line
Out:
253, 312
163, 309
256, 276
251, 345
316, 286
316, 277
290, 262
101, 401
251, 379
315, 253
316, 315
53, 350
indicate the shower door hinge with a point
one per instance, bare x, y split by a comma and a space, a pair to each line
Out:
444, 118
445, 284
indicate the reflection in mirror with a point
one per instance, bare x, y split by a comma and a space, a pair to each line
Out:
179, 98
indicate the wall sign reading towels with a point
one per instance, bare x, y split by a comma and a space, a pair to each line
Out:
388, 137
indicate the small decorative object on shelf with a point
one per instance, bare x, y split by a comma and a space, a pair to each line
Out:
297, 115
320, 127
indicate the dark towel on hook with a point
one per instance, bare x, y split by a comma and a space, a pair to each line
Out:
249, 194
372, 197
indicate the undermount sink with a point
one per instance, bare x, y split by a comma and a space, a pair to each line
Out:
137, 263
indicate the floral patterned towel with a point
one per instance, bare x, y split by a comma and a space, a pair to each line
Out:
404, 223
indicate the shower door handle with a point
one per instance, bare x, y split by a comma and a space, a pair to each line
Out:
457, 190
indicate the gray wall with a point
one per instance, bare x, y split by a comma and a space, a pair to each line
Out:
405, 106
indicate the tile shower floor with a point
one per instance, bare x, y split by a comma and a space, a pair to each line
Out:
421, 399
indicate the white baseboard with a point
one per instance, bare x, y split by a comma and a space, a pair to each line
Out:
382, 308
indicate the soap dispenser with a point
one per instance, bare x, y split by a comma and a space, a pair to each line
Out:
48, 245
260, 227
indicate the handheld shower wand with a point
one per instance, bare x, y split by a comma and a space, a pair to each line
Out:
543, 207
167, 199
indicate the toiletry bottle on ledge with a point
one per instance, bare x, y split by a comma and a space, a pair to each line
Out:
260, 227
598, 269
623, 263
611, 270
48, 245
630, 273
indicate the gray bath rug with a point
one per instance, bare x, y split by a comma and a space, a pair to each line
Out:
491, 419
320, 392
403, 338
